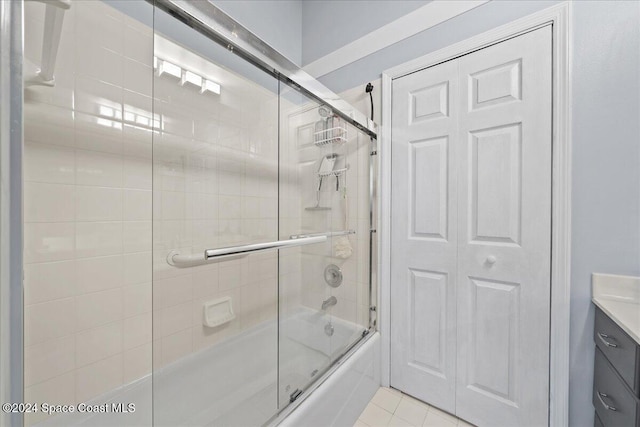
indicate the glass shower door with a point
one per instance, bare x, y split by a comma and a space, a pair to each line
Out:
323, 288
240, 159
215, 182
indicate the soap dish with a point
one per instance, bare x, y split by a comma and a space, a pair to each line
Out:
218, 312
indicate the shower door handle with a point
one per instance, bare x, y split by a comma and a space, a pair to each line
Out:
212, 255
258, 247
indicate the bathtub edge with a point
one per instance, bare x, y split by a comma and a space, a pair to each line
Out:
343, 395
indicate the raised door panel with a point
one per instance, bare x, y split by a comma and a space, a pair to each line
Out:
428, 103
428, 172
427, 303
496, 85
493, 339
495, 184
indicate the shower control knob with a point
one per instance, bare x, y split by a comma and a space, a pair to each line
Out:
491, 260
333, 275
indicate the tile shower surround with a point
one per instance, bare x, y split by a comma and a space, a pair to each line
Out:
91, 188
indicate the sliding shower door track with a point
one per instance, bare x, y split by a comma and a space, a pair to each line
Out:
211, 21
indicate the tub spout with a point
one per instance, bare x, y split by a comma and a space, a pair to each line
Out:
331, 301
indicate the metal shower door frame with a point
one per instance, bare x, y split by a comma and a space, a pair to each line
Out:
11, 227
211, 21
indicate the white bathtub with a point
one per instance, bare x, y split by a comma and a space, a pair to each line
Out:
235, 383
339, 400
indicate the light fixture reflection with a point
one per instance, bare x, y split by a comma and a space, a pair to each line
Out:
210, 86
162, 66
169, 68
140, 120
193, 78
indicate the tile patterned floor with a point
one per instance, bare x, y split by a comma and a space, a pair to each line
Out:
390, 407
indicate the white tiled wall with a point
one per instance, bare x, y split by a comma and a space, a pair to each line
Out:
87, 208
215, 185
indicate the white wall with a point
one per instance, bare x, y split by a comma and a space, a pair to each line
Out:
606, 146
277, 22
476, 21
330, 24
606, 170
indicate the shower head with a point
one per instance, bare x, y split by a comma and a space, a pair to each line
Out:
324, 111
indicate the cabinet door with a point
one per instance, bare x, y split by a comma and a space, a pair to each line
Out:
612, 400
504, 232
619, 349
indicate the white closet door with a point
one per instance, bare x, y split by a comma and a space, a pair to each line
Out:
423, 258
471, 233
504, 233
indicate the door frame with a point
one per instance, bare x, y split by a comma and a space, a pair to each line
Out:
559, 17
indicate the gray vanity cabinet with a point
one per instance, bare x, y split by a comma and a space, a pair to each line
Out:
616, 382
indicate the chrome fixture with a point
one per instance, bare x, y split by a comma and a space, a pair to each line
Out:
328, 234
328, 329
329, 302
606, 406
607, 343
211, 255
333, 275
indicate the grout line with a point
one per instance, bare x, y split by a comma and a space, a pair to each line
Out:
430, 409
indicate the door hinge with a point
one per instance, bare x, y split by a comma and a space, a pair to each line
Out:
374, 152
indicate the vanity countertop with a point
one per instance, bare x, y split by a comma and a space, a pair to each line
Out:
619, 298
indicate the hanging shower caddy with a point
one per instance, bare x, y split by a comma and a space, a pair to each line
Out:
330, 129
